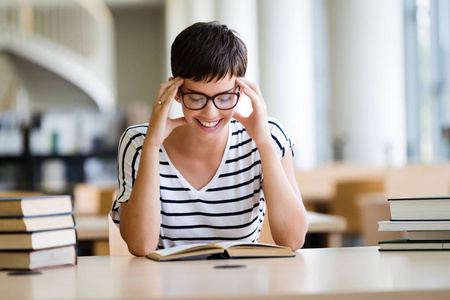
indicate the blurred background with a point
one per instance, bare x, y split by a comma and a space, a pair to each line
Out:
363, 87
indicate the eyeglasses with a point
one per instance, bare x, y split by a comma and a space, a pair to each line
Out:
198, 101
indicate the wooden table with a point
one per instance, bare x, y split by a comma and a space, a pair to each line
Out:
331, 226
91, 227
333, 273
94, 230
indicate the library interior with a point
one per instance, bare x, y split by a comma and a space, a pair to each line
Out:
362, 87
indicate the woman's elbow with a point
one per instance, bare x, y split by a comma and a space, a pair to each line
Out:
138, 251
299, 240
141, 249
137, 246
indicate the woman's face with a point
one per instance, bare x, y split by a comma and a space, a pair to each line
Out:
209, 121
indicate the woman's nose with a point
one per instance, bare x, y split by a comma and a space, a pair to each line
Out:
210, 109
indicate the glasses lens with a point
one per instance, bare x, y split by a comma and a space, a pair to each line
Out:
225, 101
194, 101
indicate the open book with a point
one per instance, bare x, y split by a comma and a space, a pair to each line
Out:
221, 250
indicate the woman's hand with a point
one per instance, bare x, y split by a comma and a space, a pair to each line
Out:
140, 217
256, 123
160, 125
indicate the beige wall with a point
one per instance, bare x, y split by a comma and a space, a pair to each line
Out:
6, 75
140, 53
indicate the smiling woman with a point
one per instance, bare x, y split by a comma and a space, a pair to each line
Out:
199, 178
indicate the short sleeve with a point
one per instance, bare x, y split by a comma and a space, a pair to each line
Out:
128, 158
280, 137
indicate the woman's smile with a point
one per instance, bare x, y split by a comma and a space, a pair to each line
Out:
211, 125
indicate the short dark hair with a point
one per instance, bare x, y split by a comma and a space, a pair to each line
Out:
208, 51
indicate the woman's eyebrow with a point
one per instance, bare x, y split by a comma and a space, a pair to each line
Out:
197, 92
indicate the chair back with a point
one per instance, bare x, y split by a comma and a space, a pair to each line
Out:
418, 180
344, 203
265, 235
374, 207
117, 246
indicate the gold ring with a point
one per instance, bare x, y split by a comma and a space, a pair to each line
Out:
159, 102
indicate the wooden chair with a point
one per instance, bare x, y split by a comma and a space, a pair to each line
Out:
344, 203
418, 180
374, 207
265, 235
318, 186
117, 246
93, 199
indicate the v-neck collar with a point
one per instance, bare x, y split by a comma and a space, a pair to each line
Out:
210, 183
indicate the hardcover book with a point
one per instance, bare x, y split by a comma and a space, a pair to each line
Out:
30, 224
37, 240
408, 244
413, 225
221, 250
420, 208
429, 235
35, 206
38, 259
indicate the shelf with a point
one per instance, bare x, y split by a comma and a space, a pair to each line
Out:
30, 166
17, 158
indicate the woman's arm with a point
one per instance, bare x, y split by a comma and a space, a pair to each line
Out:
140, 217
288, 223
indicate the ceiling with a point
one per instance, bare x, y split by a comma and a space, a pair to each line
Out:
133, 3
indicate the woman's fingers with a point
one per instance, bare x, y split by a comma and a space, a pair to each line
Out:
256, 123
160, 125
253, 92
167, 91
247, 84
240, 117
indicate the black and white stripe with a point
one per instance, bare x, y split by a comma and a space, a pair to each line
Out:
230, 207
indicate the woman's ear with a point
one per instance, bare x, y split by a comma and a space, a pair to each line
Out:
178, 97
171, 78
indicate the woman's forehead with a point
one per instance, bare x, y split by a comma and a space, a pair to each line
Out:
215, 86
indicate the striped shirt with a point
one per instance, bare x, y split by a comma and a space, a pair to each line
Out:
230, 207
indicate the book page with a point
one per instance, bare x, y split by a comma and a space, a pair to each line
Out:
178, 249
232, 244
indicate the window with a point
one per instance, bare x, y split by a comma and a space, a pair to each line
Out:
427, 69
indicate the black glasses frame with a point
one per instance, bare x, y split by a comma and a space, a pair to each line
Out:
213, 98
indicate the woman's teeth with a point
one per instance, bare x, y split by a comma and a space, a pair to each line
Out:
206, 124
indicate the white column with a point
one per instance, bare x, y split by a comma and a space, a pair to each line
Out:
367, 81
201, 11
242, 16
179, 15
287, 71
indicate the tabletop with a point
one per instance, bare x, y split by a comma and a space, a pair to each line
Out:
330, 273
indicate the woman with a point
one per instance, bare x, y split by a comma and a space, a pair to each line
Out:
207, 176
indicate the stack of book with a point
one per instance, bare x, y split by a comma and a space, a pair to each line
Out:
425, 219
37, 232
